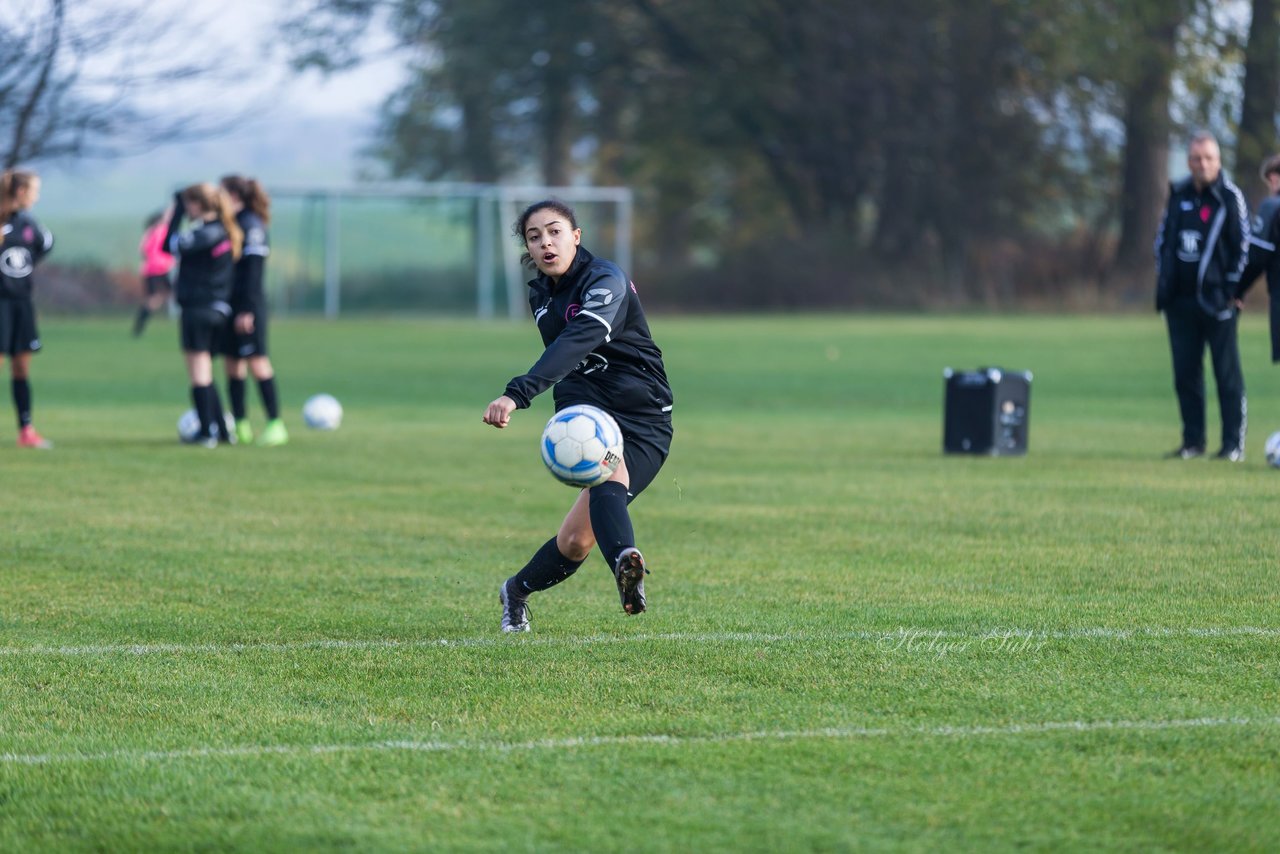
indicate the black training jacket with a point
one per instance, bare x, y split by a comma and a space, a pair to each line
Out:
205, 264
598, 346
25, 243
247, 294
1225, 253
1264, 257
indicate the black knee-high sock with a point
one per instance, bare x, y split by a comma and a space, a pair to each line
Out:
267, 388
235, 391
22, 401
546, 568
610, 521
202, 397
140, 322
219, 418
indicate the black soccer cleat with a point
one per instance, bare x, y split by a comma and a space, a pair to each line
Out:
629, 573
1186, 452
1231, 455
515, 610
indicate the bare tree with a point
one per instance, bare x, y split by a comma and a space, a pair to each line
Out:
81, 78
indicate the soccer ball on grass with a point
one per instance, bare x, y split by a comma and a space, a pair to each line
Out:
582, 446
1272, 450
322, 412
189, 425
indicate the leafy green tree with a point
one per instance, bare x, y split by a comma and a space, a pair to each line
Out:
908, 133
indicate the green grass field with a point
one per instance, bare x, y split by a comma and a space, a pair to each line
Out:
853, 641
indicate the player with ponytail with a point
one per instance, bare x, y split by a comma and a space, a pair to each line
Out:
246, 342
207, 254
25, 243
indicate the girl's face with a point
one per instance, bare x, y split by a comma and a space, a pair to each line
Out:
28, 195
551, 241
234, 202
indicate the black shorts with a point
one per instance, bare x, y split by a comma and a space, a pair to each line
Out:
18, 333
237, 346
156, 285
645, 446
204, 329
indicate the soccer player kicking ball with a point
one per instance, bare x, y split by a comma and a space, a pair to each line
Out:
598, 352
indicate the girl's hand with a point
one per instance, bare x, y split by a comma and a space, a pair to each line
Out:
499, 412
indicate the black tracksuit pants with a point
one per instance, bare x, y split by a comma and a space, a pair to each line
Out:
1190, 329
1274, 299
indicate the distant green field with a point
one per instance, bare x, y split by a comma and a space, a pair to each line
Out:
853, 641
392, 254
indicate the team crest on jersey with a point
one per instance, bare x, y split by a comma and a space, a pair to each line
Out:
1189, 246
572, 311
16, 262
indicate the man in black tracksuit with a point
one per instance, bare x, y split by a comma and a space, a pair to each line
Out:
1201, 251
1263, 243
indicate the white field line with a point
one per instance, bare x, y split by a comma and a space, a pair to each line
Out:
885, 638
554, 745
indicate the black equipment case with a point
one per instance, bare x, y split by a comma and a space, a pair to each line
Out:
987, 411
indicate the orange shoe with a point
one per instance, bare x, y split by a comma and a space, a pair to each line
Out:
29, 438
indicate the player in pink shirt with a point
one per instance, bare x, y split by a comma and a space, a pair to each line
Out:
156, 265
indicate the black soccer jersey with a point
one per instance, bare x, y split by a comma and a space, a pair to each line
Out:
598, 347
248, 294
25, 243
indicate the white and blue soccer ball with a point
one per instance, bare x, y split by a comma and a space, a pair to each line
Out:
322, 412
189, 425
1272, 450
582, 446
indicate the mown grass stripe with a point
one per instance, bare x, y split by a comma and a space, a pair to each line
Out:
560, 744
902, 635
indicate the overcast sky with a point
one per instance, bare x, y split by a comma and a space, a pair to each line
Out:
296, 129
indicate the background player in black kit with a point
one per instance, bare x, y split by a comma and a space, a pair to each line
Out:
25, 243
1264, 249
207, 254
246, 342
599, 352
